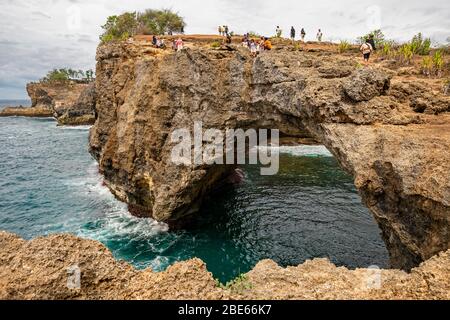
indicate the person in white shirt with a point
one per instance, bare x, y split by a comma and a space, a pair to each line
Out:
279, 32
366, 49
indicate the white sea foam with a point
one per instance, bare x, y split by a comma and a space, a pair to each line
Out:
299, 151
116, 221
306, 150
81, 128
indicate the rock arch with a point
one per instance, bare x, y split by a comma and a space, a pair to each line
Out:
399, 157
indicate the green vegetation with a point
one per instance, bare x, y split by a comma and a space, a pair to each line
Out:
419, 45
388, 48
66, 74
405, 54
215, 45
156, 22
344, 46
119, 27
253, 34
427, 66
438, 62
433, 65
378, 37
240, 284
160, 22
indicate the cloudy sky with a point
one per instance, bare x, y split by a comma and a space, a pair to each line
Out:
39, 35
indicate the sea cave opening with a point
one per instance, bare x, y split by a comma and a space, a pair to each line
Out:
310, 209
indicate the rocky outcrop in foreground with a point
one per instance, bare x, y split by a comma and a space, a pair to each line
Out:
391, 134
46, 268
71, 103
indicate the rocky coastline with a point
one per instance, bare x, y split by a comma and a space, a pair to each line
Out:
69, 102
42, 269
389, 131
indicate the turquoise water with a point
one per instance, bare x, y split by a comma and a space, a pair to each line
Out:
50, 184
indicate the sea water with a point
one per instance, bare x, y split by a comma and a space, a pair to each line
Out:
14, 103
50, 184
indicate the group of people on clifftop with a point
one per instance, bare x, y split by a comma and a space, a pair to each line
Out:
264, 43
256, 47
319, 34
177, 44
224, 30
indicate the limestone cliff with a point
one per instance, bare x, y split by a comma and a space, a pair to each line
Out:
392, 135
70, 102
44, 269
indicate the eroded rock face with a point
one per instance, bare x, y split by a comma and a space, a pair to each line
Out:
82, 112
71, 103
47, 268
397, 154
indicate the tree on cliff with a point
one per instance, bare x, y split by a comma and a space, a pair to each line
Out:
67, 74
159, 22
120, 27
149, 22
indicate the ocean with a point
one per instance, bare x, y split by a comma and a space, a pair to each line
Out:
50, 184
14, 103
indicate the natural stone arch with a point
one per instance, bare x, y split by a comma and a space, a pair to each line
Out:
363, 119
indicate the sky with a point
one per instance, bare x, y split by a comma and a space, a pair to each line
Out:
39, 35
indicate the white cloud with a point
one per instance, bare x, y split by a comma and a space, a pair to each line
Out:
38, 35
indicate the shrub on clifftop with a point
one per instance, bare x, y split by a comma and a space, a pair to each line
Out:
157, 22
154, 22
120, 27
64, 74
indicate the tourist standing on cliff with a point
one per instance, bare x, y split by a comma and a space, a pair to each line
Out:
226, 30
371, 40
179, 44
319, 35
279, 32
366, 49
292, 34
267, 44
261, 44
303, 34
221, 30
253, 48
246, 41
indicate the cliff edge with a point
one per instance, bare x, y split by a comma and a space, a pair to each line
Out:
65, 267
